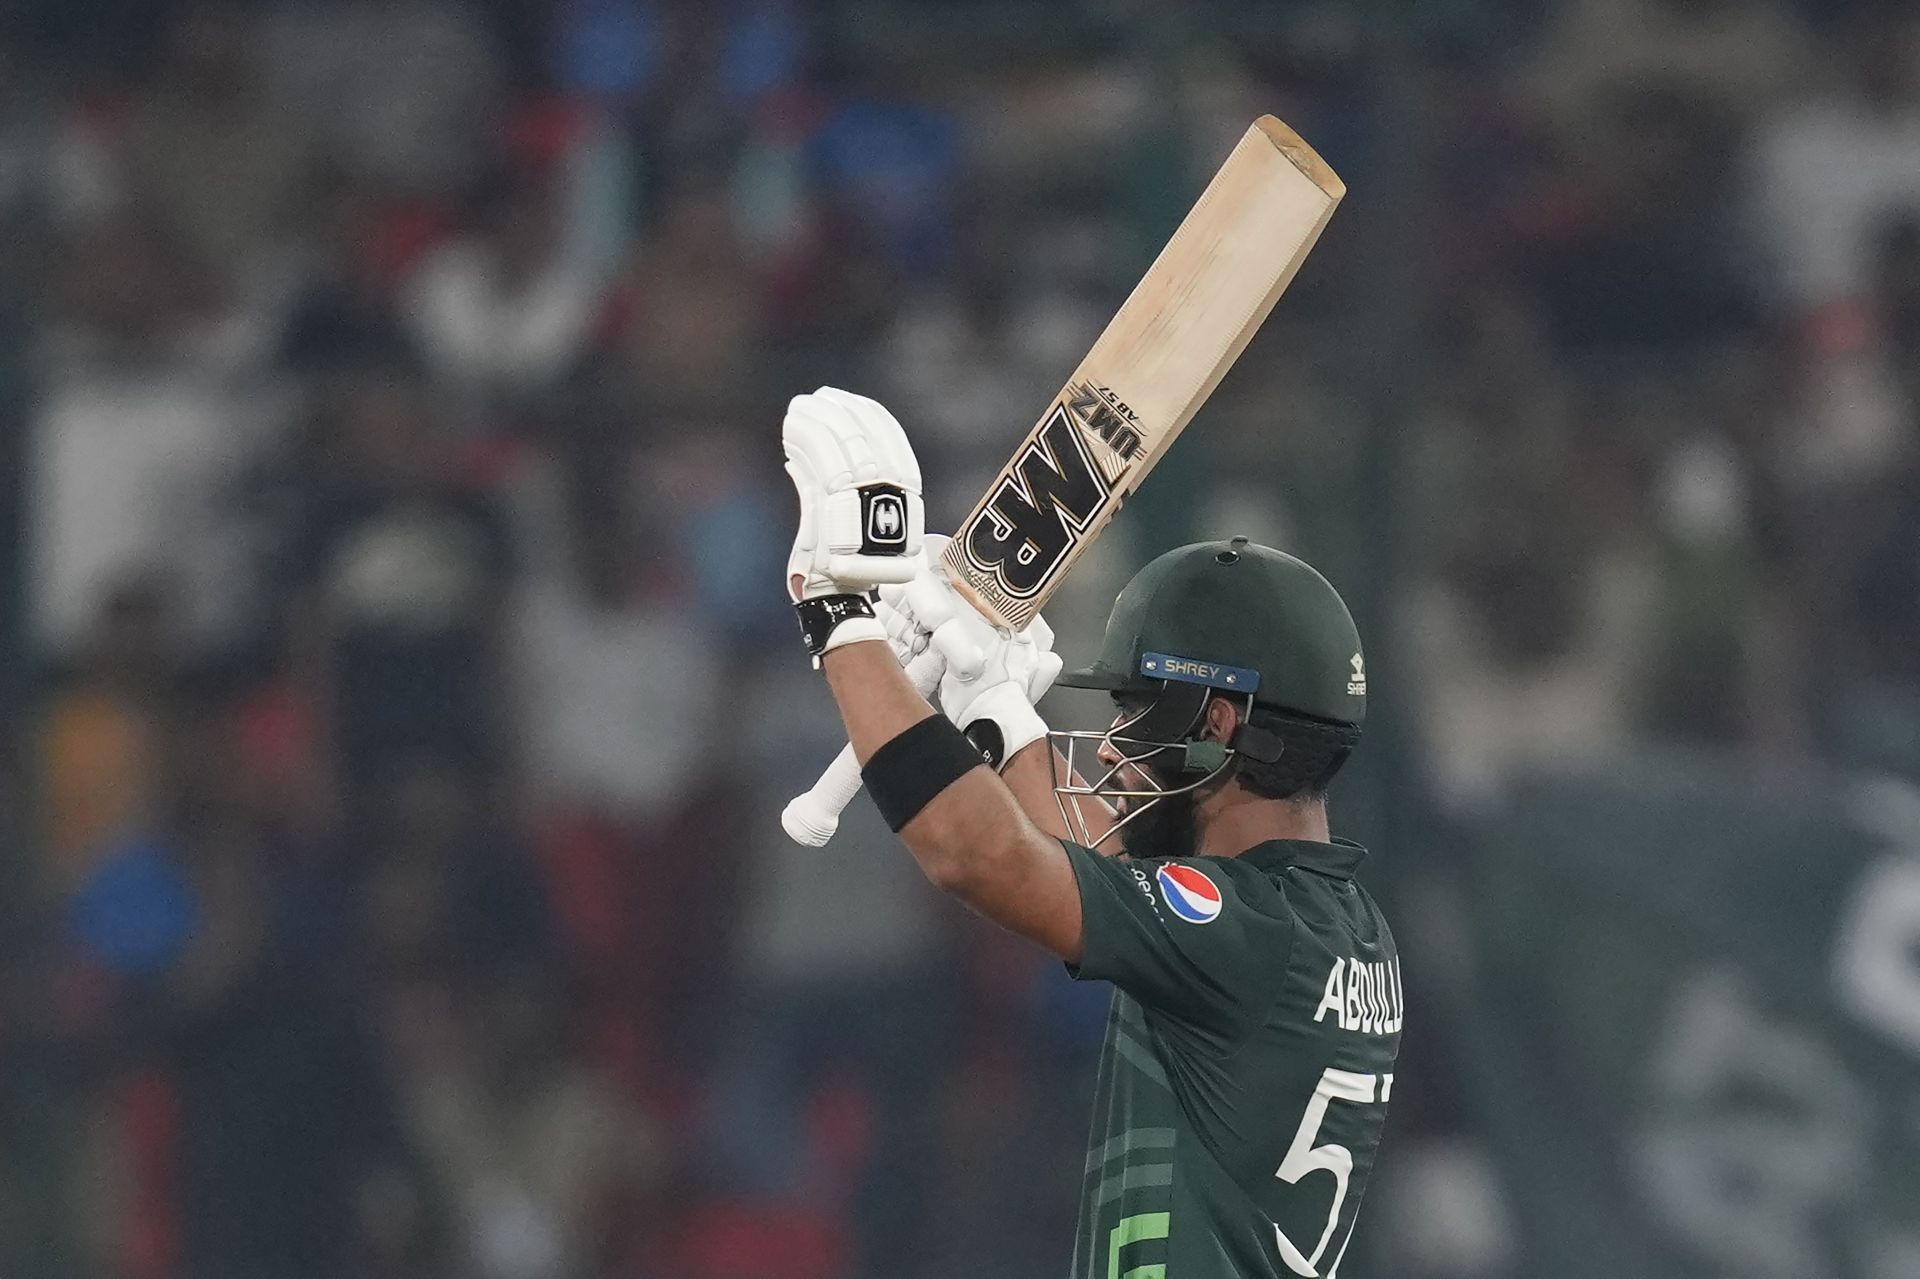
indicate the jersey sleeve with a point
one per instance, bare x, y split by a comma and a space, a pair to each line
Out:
1179, 936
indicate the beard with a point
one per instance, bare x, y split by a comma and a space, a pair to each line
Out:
1163, 829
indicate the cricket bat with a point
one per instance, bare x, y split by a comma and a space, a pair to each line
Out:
1156, 363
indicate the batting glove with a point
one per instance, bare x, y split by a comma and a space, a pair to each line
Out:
861, 517
992, 676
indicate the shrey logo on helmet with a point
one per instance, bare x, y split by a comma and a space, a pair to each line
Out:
883, 519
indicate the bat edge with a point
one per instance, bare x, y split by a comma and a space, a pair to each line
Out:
965, 587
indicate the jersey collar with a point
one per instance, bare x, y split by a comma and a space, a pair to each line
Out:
1338, 859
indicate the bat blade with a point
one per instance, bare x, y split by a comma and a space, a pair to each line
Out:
1158, 360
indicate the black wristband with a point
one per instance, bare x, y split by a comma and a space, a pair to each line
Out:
820, 615
904, 775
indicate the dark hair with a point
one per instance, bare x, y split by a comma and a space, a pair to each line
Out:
1312, 751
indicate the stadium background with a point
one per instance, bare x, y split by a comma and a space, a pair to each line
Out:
397, 694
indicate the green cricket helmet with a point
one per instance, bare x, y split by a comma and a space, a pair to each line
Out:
1212, 619
1239, 618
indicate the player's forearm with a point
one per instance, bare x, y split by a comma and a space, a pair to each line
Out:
1030, 775
971, 839
878, 703
962, 830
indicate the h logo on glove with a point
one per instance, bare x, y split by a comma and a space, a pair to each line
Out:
883, 520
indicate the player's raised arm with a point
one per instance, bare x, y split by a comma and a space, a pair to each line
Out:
991, 681
861, 527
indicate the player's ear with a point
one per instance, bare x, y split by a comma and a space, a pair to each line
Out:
1220, 719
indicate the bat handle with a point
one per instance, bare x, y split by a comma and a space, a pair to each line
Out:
811, 818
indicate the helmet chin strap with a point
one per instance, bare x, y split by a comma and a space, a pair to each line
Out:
1189, 756
1204, 757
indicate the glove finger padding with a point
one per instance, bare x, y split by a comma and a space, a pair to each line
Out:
1040, 633
905, 636
963, 647
962, 635
989, 673
949, 623
1046, 669
863, 552
861, 515
1046, 663
1015, 669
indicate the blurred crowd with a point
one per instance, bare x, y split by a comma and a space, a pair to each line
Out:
413, 694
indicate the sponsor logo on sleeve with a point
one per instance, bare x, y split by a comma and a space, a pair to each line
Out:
1189, 893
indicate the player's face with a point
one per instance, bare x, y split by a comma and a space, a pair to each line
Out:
1129, 776
1162, 825
1138, 768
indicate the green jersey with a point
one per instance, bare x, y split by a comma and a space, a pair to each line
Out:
1247, 1066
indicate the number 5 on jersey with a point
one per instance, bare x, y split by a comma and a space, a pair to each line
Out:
1304, 1157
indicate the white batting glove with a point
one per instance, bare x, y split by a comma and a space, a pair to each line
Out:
1017, 672
991, 674
861, 517
907, 635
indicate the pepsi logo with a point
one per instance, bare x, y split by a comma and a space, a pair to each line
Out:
1189, 894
